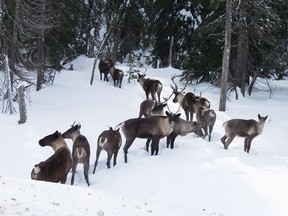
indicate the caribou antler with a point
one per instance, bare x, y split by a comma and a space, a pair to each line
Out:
185, 85
166, 99
176, 87
73, 124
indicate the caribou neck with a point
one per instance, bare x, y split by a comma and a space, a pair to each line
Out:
180, 97
260, 125
58, 144
75, 135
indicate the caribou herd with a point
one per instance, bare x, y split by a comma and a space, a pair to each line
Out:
154, 126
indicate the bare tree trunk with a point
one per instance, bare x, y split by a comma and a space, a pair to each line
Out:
97, 56
171, 51
22, 105
242, 49
253, 81
90, 47
9, 106
41, 61
14, 42
226, 58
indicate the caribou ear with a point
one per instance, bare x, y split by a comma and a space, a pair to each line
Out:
178, 115
259, 116
79, 126
167, 113
266, 117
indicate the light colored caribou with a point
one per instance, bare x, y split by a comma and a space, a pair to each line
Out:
248, 129
56, 167
80, 151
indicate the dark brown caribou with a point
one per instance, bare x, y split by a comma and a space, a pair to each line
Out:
152, 128
110, 141
186, 100
56, 167
80, 150
104, 68
248, 129
150, 86
117, 76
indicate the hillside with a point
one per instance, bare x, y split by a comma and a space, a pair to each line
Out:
196, 178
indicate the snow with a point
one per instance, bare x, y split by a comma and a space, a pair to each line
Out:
195, 178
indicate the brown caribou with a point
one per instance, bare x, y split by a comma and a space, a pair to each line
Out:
182, 128
150, 86
152, 128
56, 167
205, 117
80, 151
248, 129
186, 100
151, 108
110, 141
117, 76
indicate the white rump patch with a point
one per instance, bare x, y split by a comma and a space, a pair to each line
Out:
102, 141
81, 153
212, 114
37, 169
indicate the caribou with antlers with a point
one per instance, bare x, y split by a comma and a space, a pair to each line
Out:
186, 100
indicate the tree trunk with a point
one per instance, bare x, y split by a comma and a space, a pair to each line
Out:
13, 51
9, 106
97, 55
22, 105
90, 47
171, 51
226, 58
242, 49
41, 61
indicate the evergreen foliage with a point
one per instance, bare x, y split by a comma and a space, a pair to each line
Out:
76, 27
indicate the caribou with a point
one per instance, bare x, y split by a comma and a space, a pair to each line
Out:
150, 86
151, 108
80, 151
56, 167
205, 117
186, 100
116, 74
104, 68
248, 129
152, 128
110, 141
182, 128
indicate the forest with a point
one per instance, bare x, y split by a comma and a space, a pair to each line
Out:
41, 36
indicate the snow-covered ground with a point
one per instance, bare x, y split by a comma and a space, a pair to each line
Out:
196, 178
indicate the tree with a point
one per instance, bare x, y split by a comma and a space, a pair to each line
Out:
239, 78
226, 58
